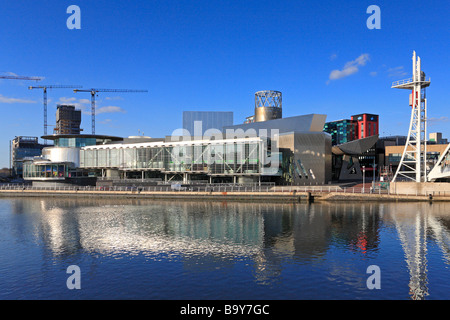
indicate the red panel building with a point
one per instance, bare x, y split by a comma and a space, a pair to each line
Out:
368, 125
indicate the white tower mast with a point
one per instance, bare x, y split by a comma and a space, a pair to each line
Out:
413, 164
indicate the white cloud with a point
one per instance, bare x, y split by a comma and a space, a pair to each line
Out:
67, 100
85, 106
350, 68
113, 98
4, 99
433, 121
81, 104
110, 109
397, 72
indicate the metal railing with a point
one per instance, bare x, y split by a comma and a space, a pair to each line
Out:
224, 188
221, 188
400, 82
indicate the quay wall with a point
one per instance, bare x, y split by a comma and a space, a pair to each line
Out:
271, 196
435, 189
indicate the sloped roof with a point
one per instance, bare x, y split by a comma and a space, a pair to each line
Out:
355, 147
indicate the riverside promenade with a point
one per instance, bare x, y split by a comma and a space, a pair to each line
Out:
284, 194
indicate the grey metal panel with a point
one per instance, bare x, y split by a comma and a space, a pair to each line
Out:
355, 147
310, 122
209, 120
311, 156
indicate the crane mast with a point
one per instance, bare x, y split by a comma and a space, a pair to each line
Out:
44, 89
94, 92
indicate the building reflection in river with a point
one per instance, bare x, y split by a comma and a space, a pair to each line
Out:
202, 233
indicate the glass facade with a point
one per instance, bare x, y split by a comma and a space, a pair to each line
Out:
75, 142
342, 131
45, 170
209, 120
22, 148
227, 158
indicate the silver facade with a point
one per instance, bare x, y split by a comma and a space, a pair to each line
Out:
306, 157
305, 123
205, 123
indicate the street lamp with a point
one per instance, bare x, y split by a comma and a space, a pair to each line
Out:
364, 177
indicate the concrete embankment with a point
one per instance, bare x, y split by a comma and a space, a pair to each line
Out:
271, 196
339, 196
170, 195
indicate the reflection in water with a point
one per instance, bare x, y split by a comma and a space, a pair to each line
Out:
267, 234
415, 225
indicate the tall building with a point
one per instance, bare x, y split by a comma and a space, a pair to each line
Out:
197, 123
367, 125
68, 120
342, 131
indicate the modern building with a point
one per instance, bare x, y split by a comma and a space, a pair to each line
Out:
436, 138
357, 127
305, 158
200, 123
304, 123
60, 163
367, 125
23, 147
342, 131
269, 148
347, 163
68, 120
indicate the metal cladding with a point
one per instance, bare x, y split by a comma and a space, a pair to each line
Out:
355, 147
268, 105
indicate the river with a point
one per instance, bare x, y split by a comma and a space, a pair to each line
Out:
146, 249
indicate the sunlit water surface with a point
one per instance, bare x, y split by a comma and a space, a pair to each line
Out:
141, 249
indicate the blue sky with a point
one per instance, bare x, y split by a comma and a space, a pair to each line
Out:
213, 56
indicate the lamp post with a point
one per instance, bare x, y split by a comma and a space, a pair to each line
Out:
364, 177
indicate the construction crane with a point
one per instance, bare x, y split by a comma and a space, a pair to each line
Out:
21, 78
94, 93
44, 88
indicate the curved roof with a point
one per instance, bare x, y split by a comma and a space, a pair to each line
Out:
96, 136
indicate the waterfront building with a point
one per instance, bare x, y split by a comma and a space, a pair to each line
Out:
23, 147
60, 163
367, 125
293, 150
342, 131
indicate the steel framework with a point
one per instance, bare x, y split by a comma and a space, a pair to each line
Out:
268, 98
413, 163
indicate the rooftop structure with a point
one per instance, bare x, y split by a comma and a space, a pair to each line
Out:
200, 123
268, 105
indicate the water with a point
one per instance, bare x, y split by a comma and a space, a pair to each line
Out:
142, 249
